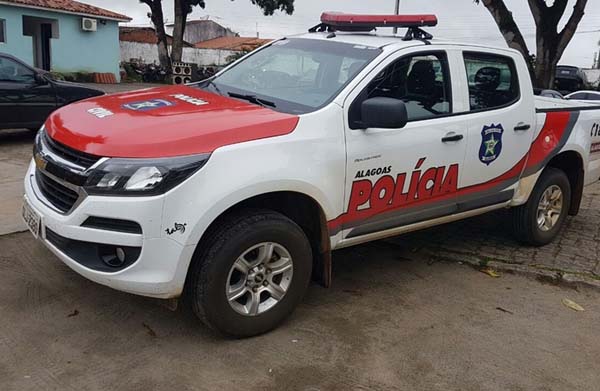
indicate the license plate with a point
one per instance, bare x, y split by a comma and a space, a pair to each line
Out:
565, 73
31, 218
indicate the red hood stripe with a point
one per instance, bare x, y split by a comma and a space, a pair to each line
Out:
181, 124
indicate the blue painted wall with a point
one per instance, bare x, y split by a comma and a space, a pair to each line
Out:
74, 50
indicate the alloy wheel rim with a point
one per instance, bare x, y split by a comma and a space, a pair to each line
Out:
550, 208
259, 279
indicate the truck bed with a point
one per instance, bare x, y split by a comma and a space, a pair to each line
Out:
543, 104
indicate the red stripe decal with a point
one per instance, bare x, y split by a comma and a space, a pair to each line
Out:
549, 138
545, 145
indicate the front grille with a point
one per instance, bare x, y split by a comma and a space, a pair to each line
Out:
61, 197
81, 159
112, 225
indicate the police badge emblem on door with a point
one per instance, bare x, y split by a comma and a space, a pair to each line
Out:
491, 143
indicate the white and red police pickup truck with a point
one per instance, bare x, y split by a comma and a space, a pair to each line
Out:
236, 190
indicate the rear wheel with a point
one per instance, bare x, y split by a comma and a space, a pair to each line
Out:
540, 220
250, 275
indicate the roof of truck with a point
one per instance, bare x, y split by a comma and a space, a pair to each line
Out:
367, 39
380, 40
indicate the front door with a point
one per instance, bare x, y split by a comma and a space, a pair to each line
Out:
24, 102
501, 127
398, 177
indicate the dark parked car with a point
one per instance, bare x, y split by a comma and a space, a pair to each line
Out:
569, 78
29, 95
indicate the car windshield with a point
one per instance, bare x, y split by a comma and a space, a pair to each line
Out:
295, 75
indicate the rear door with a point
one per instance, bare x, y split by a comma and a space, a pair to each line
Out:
501, 122
399, 177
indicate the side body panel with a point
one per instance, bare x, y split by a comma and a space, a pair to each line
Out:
310, 161
568, 130
400, 176
481, 187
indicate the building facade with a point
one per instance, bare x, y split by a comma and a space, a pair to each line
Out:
203, 30
61, 35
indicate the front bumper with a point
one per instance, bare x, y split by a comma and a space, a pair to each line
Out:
159, 270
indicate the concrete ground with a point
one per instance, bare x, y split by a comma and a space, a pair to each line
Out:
392, 321
15, 154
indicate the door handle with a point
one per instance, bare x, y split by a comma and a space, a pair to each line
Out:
522, 127
452, 137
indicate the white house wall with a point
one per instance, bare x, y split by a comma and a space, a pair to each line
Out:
149, 54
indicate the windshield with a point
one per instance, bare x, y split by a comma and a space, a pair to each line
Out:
295, 75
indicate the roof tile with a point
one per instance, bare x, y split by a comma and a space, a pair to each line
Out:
143, 35
233, 43
70, 6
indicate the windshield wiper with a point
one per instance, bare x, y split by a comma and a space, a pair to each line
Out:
253, 99
214, 85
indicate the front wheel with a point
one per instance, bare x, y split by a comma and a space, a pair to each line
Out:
251, 273
540, 220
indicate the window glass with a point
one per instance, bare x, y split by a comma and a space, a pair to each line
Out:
302, 68
593, 96
12, 71
350, 68
2, 31
578, 96
422, 82
493, 81
296, 75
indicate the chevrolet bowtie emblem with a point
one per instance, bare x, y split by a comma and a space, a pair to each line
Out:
40, 162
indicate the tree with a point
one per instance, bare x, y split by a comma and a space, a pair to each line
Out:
157, 18
185, 7
182, 9
551, 43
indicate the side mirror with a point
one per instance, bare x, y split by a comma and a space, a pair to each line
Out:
385, 113
40, 79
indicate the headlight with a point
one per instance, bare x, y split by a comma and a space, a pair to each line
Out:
142, 177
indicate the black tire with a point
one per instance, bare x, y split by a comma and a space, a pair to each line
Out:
525, 223
209, 272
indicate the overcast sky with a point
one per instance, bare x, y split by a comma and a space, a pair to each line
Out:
459, 19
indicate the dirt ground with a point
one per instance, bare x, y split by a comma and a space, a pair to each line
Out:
394, 320
15, 154
391, 322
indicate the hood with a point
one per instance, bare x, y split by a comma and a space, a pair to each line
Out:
64, 83
163, 122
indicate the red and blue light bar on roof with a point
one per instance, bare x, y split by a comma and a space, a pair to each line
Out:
354, 22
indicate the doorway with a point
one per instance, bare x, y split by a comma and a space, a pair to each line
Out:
41, 31
45, 35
